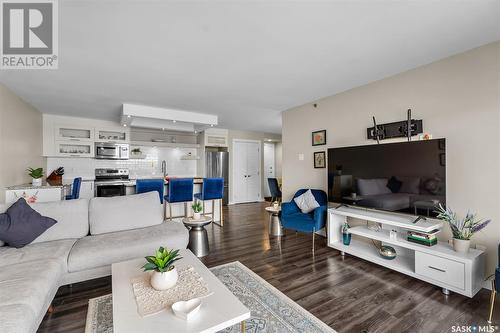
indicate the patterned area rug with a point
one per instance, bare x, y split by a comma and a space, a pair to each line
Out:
271, 310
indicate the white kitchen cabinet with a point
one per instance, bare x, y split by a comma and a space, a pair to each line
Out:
87, 190
74, 149
73, 133
112, 135
216, 137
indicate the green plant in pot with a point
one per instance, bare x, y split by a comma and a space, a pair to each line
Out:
462, 228
197, 208
162, 264
36, 176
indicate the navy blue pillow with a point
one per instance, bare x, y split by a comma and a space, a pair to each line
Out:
394, 184
21, 224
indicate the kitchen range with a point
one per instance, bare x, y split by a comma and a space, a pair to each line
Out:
111, 182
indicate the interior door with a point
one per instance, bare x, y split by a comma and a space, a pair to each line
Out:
253, 171
240, 171
269, 166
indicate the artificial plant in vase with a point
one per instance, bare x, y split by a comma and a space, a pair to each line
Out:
162, 264
197, 208
36, 176
462, 228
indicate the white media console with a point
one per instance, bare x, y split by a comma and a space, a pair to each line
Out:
439, 265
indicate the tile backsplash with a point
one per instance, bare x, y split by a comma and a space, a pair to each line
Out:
139, 168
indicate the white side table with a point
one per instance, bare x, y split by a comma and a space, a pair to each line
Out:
275, 228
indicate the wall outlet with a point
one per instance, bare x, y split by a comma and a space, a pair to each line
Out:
301, 157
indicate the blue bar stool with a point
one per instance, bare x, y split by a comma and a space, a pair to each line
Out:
75, 189
213, 189
150, 185
179, 190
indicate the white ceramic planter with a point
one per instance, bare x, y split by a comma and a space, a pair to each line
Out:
196, 216
461, 245
165, 280
36, 181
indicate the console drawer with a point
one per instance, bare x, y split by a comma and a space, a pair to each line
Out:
440, 269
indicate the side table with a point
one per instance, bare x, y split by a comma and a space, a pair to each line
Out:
275, 228
198, 237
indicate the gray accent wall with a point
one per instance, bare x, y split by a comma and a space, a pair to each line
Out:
20, 140
458, 98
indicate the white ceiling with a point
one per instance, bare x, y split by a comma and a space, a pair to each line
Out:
245, 61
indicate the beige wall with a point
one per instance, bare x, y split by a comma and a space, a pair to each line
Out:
458, 98
20, 140
248, 135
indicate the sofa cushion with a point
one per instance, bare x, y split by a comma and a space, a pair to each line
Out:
124, 213
394, 184
17, 318
21, 224
55, 250
373, 186
71, 216
30, 283
410, 185
306, 202
106, 249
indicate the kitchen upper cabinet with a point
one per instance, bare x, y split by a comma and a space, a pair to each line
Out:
74, 149
111, 135
216, 137
73, 133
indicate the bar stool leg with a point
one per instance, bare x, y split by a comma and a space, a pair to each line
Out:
213, 209
170, 210
203, 207
221, 214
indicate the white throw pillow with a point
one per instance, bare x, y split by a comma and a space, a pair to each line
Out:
306, 202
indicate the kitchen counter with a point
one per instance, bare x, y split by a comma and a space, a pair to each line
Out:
28, 186
197, 180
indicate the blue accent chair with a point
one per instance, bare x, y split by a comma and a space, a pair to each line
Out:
150, 185
274, 189
179, 190
75, 189
495, 286
292, 218
212, 189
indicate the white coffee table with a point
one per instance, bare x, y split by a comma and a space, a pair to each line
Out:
220, 310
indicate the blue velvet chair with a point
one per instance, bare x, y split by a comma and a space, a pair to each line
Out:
274, 189
150, 185
212, 189
75, 189
495, 286
179, 190
292, 218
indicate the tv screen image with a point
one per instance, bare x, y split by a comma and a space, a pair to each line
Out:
403, 177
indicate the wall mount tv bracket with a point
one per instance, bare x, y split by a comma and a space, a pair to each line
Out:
397, 129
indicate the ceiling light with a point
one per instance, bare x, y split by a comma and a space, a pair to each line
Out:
195, 132
211, 125
128, 116
124, 125
163, 129
174, 121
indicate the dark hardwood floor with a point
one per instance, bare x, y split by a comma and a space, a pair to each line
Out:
349, 294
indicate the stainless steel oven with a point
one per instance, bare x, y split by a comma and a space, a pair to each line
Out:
111, 151
111, 182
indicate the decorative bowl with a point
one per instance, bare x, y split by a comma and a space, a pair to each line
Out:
186, 309
387, 252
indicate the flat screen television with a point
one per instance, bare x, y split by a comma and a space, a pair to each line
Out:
404, 177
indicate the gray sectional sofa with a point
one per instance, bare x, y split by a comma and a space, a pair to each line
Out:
88, 237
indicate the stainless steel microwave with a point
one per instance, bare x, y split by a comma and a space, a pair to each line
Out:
111, 151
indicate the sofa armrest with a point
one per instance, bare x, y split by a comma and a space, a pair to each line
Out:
288, 208
320, 217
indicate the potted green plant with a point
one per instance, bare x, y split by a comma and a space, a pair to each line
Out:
136, 153
462, 228
164, 274
36, 176
346, 235
197, 208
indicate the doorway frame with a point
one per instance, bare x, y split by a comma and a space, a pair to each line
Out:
233, 173
264, 176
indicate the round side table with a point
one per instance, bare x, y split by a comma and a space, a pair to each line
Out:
275, 228
198, 237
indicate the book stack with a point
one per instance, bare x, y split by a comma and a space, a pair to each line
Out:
423, 238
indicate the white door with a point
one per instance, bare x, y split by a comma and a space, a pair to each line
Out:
269, 165
246, 171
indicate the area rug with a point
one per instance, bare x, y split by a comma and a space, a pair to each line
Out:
271, 310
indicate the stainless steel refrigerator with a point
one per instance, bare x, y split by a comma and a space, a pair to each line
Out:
217, 165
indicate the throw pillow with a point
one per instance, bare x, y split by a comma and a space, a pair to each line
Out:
306, 202
20, 224
394, 184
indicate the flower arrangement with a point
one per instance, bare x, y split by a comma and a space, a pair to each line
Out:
462, 228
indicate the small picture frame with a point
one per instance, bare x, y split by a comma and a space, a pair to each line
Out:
319, 138
319, 159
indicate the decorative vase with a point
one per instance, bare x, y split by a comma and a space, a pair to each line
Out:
36, 181
196, 216
461, 245
164, 280
346, 238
